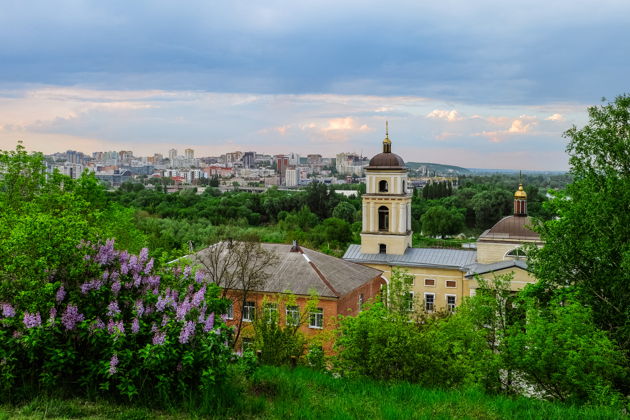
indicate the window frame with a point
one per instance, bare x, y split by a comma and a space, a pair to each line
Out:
429, 285
426, 302
249, 310
293, 310
450, 287
316, 315
230, 311
451, 307
270, 310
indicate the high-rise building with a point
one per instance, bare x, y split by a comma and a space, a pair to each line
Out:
282, 163
294, 159
189, 154
249, 160
292, 177
172, 155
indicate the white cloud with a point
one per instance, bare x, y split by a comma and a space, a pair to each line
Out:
441, 114
555, 117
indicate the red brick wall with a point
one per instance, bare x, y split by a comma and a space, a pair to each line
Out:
349, 303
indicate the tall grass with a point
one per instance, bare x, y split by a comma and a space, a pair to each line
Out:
302, 393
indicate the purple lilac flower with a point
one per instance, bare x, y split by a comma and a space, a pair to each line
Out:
115, 287
7, 310
153, 327
158, 338
188, 330
124, 267
161, 303
144, 254
209, 323
32, 320
112, 308
149, 266
71, 316
133, 264
52, 314
61, 294
86, 287
135, 326
97, 325
105, 275
198, 297
182, 310
199, 276
187, 271
139, 306
106, 253
153, 281
115, 327
224, 317
165, 320
123, 256
97, 284
137, 279
112, 364
191, 288
86, 258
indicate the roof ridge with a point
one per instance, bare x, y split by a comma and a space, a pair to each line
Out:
319, 274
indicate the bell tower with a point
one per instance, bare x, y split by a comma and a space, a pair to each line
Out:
386, 204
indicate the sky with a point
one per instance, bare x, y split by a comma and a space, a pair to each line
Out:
484, 84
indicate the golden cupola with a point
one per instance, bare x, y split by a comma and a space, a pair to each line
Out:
520, 201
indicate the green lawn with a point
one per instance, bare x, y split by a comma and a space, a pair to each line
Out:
277, 393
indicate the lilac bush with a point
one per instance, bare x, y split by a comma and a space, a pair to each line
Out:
127, 329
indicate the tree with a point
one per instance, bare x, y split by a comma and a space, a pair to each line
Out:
238, 267
587, 246
344, 211
490, 206
439, 221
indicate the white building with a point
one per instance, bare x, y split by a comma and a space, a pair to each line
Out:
292, 177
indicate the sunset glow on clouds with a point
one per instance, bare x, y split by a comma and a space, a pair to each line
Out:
486, 84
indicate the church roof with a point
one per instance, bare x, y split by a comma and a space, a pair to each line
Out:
500, 265
416, 257
306, 270
386, 160
511, 228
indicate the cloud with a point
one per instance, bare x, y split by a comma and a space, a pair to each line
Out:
555, 117
449, 116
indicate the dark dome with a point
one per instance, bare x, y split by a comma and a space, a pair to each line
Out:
386, 161
511, 227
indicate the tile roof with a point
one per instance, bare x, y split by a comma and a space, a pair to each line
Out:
416, 257
301, 272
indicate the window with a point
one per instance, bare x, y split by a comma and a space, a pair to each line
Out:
230, 311
383, 218
360, 301
382, 249
450, 303
270, 312
451, 283
429, 282
248, 311
410, 296
382, 186
293, 315
316, 318
429, 302
404, 189
517, 254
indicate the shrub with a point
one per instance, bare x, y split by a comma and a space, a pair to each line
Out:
126, 331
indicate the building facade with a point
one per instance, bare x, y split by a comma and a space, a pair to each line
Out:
442, 277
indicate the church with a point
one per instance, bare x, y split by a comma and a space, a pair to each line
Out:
442, 277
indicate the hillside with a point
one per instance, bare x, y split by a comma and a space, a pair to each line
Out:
437, 168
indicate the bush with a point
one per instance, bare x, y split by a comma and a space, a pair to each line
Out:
126, 331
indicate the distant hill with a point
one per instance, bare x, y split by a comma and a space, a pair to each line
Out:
437, 168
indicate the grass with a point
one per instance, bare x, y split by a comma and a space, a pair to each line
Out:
281, 393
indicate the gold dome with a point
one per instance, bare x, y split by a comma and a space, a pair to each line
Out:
521, 194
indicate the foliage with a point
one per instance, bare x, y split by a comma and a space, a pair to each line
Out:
120, 329
562, 352
344, 211
438, 221
587, 247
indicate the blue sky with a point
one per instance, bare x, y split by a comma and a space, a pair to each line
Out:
479, 84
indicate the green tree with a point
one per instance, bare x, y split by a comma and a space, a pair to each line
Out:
587, 246
439, 221
344, 211
490, 206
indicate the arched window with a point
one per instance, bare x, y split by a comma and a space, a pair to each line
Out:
404, 191
383, 218
517, 254
382, 249
382, 186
